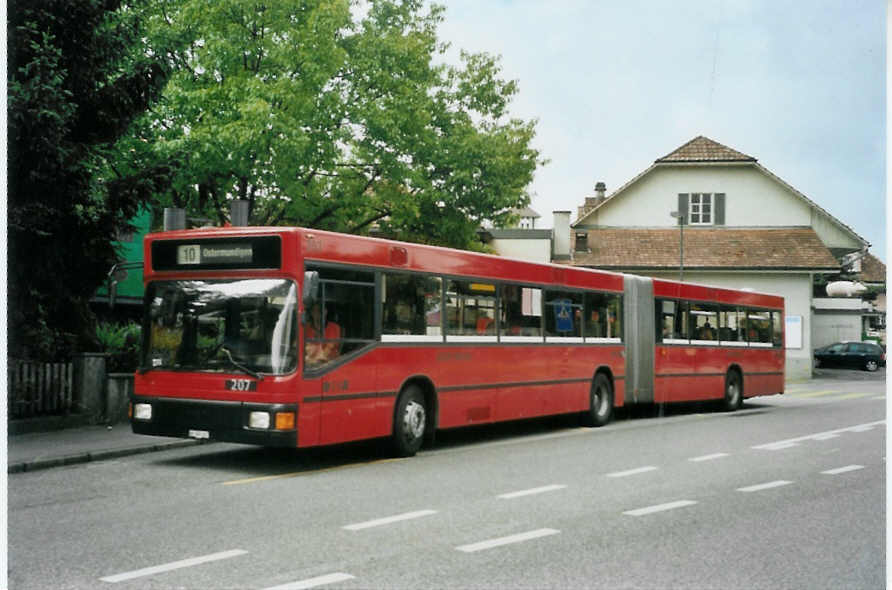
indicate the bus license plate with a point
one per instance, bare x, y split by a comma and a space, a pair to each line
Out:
199, 434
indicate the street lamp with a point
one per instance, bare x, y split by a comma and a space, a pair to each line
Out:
681, 221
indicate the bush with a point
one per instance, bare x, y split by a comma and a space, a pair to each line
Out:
121, 343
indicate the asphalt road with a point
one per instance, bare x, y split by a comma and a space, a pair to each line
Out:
787, 493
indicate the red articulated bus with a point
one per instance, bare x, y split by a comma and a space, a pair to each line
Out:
298, 337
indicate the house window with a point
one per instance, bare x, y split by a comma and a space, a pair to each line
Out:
581, 242
700, 209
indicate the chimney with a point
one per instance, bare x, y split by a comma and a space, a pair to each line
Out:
238, 216
174, 218
600, 189
560, 236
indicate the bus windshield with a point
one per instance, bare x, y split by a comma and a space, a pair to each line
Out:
227, 325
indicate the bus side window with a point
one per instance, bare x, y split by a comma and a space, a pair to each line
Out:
730, 326
777, 323
342, 318
603, 315
470, 308
411, 305
563, 313
704, 320
521, 311
759, 327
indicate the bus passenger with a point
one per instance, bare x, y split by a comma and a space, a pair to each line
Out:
321, 343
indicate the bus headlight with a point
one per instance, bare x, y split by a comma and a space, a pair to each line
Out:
258, 420
142, 411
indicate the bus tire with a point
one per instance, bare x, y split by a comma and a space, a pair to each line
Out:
733, 391
600, 402
410, 422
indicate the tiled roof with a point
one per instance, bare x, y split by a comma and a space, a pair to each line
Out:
872, 269
706, 248
703, 149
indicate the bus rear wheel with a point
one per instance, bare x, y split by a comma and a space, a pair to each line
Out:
600, 402
410, 422
733, 391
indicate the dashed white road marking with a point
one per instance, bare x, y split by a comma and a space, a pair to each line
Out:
148, 571
518, 538
313, 582
660, 507
845, 469
765, 486
632, 471
388, 520
708, 457
790, 442
825, 436
532, 491
817, 393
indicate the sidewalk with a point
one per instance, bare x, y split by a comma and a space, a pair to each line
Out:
42, 450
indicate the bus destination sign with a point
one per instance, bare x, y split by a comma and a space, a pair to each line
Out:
253, 252
221, 254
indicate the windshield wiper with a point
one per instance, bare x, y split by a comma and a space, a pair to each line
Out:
243, 368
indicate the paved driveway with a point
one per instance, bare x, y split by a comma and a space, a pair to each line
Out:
850, 374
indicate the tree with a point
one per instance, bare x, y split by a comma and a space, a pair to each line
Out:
322, 116
78, 76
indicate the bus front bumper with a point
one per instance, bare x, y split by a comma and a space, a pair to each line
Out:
271, 425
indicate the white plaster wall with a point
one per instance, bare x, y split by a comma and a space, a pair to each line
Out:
524, 249
836, 327
831, 234
752, 198
794, 288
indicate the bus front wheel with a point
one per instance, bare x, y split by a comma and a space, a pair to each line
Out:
600, 403
410, 422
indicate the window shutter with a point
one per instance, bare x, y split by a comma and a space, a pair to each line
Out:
683, 207
720, 209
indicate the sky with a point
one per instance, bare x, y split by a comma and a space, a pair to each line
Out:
616, 84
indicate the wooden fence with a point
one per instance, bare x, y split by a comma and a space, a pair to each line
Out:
39, 389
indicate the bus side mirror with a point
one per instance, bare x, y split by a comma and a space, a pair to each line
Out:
311, 288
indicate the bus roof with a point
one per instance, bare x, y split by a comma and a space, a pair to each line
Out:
326, 246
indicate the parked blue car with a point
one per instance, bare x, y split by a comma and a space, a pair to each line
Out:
851, 355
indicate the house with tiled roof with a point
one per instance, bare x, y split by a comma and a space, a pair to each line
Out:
707, 213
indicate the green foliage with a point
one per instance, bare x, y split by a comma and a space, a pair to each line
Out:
121, 342
322, 115
78, 76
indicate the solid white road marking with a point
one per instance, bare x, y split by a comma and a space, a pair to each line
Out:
659, 507
632, 471
784, 444
518, 538
148, 571
708, 457
314, 582
530, 492
845, 469
765, 486
388, 520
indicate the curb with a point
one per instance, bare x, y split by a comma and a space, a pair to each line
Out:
50, 462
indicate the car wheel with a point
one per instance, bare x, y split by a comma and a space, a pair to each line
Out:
871, 365
410, 422
600, 402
